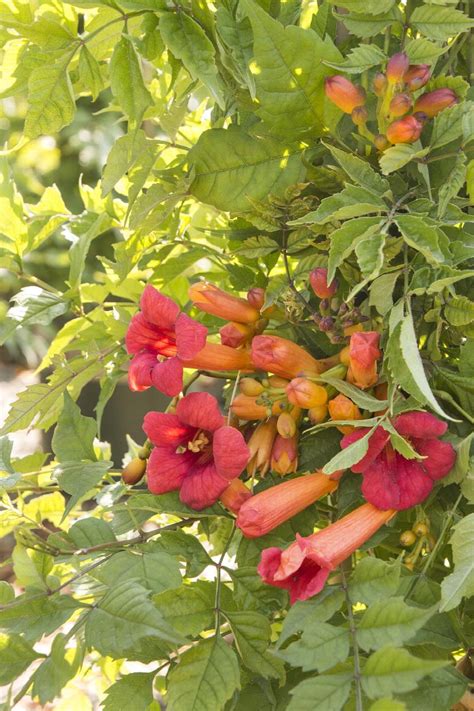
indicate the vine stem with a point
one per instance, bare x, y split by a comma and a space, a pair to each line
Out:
353, 632
217, 599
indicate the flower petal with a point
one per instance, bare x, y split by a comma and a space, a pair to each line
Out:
414, 424
144, 335
377, 443
158, 308
230, 452
202, 487
166, 470
166, 429
269, 564
308, 581
440, 456
167, 376
190, 336
139, 371
398, 484
200, 410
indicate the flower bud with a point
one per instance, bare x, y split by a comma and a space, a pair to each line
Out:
344, 93
405, 130
318, 414
319, 283
327, 324
215, 301
260, 446
400, 105
256, 297
421, 529
305, 393
251, 387
286, 425
134, 471
380, 142
284, 458
344, 356
363, 355
417, 76
379, 84
359, 116
247, 408
407, 539
397, 67
433, 102
283, 357
342, 408
235, 495
274, 381
235, 334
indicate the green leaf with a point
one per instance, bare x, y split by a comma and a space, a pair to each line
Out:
34, 616
320, 647
123, 155
55, 672
50, 98
31, 567
126, 81
78, 478
7, 593
365, 25
189, 43
189, 609
154, 570
437, 692
439, 23
232, 170
82, 232
381, 292
311, 612
317, 448
374, 580
16, 655
392, 670
89, 72
361, 58
326, 691
33, 305
8, 476
422, 51
387, 705
73, 438
289, 75
453, 184
460, 583
345, 238
397, 156
362, 399
351, 202
89, 532
406, 365
348, 456
187, 548
370, 7
448, 124
133, 692
252, 636
359, 171
459, 311
205, 678
390, 621
124, 617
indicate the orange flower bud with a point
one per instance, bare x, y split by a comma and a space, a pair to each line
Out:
381, 391
235, 495
397, 67
247, 408
342, 408
305, 393
235, 334
217, 357
359, 116
318, 413
256, 297
278, 383
274, 506
380, 142
344, 356
212, 300
134, 471
260, 445
363, 355
405, 130
283, 357
286, 425
344, 93
379, 84
400, 105
251, 387
319, 283
417, 76
433, 102
285, 455
349, 330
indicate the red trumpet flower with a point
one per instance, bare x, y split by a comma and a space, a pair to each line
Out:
390, 480
304, 567
195, 451
209, 298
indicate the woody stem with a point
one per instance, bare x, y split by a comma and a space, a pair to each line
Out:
353, 632
217, 599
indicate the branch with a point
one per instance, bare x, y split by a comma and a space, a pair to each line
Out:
353, 632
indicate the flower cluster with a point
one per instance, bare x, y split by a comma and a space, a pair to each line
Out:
280, 391
401, 111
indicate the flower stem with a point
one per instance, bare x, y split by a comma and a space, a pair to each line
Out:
217, 599
359, 705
